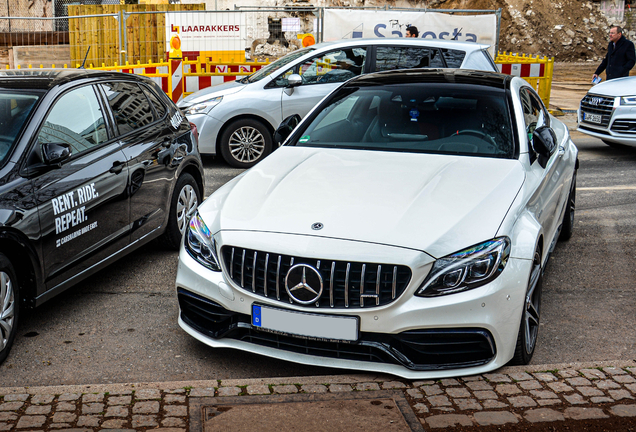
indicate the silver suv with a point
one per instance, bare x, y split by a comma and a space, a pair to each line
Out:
238, 119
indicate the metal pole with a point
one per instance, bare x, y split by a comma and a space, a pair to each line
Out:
125, 16
498, 13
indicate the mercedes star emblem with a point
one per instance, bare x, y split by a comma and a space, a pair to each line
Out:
303, 284
317, 226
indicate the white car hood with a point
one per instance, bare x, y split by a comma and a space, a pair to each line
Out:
211, 92
616, 87
434, 203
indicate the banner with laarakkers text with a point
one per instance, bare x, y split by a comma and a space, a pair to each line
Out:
345, 24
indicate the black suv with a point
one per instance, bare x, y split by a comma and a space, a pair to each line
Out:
92, 166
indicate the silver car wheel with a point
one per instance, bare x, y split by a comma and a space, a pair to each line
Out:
7, 310
186, 206
531, 312
247, 144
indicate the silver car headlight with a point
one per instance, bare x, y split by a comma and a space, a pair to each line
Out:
200, 243
203, 107
628, 100
467, 269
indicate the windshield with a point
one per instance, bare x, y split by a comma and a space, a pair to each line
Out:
273, 67
14, 112
423, 118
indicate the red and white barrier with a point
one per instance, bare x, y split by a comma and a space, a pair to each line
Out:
532, 70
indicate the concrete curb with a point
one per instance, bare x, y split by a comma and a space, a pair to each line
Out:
510, 395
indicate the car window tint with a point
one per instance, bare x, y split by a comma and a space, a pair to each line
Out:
419, 118
14, 111
75, 119
130, 106
389, 58
334, 66
454, 58
160, 108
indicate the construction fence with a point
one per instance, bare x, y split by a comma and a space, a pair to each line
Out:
109, 34
135, 39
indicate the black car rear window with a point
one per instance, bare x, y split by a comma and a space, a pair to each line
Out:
15, 108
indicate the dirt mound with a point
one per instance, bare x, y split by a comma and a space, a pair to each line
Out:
569, 30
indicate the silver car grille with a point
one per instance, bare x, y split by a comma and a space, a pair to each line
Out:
345, 284
598, 105
626, 126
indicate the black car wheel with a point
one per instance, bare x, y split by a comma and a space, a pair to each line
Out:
568, 218
245, 142
185, 200
530, 317
9, 306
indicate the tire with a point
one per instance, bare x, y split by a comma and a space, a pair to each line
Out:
245, 142
185, 200
9, 306
530, 316
567, 227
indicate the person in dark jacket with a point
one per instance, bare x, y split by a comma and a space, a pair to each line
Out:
620, 58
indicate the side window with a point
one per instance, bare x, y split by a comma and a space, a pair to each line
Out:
130, 106
334, 66
533, 111
534, 115
391, 57
75, 119
454, 58
160, 108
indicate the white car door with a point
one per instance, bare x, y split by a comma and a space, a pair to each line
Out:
550, 192
321, 75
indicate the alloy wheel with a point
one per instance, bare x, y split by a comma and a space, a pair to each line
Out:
7, 309
531, 312
186, 206
247, 144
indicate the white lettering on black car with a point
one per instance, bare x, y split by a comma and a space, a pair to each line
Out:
176, 120
70, 211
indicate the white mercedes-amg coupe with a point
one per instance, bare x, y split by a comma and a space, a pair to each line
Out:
403, 227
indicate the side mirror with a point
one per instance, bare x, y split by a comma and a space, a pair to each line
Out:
544, 141
294, 80
56, 153
285, 129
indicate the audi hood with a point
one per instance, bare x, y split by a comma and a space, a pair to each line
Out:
616, 87
434, 203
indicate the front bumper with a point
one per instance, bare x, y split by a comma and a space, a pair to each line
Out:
466, 333
619, 128
209, 129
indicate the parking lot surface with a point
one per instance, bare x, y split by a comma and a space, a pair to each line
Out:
121, 324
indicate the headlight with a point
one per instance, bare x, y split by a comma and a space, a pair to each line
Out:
203, 107
628, 100
200, 243
467, 269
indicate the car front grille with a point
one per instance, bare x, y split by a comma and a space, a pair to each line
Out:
344, 284
598, 105
420, 349
626, 126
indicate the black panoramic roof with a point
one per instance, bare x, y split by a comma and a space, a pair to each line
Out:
45, 79
440, 76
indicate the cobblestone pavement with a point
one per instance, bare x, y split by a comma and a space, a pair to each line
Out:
513, 395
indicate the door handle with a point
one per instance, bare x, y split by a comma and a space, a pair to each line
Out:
117, 167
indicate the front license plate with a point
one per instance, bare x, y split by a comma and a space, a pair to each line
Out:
592, 118
309, 325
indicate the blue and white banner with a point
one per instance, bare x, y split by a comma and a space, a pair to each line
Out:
345, 24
